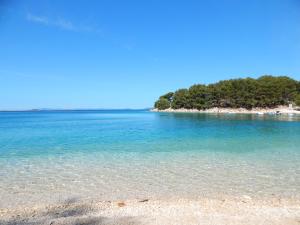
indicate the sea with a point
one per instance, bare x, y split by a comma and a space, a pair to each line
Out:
51, 156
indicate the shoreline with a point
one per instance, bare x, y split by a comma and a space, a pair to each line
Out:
258, 111
236, 211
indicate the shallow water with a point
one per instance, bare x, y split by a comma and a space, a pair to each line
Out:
51, 156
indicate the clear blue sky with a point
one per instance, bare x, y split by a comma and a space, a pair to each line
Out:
124, 54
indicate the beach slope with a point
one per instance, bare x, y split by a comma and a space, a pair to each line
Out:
244, 211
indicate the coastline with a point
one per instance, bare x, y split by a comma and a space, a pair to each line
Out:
219, 186
236, 211
259, 111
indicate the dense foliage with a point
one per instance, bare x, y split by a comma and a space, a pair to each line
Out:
297, 100
162, 103
266, 91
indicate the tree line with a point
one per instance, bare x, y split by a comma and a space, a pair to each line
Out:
266, 92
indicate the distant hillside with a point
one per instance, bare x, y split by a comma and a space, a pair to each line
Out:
266, 92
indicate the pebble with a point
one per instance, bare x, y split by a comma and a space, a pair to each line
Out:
121, 204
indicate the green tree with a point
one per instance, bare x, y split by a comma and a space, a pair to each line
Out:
297, 100
274, 91
243, 93
199, 97
266, 91
162, 104
168, 96
224, 93
181, 99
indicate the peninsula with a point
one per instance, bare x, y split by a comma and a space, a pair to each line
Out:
267, 94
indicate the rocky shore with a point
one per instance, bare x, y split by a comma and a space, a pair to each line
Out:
259, 111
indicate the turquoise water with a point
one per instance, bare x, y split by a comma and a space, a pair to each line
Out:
50, 156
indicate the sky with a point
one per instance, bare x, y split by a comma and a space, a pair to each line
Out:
125, 54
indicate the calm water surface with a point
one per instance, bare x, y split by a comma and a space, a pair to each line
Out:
50, 156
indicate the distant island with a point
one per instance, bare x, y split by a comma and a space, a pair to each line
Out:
266, 92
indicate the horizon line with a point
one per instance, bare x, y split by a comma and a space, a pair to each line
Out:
69, 109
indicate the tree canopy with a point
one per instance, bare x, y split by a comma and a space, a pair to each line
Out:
162, 104
297, 100
266, 91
